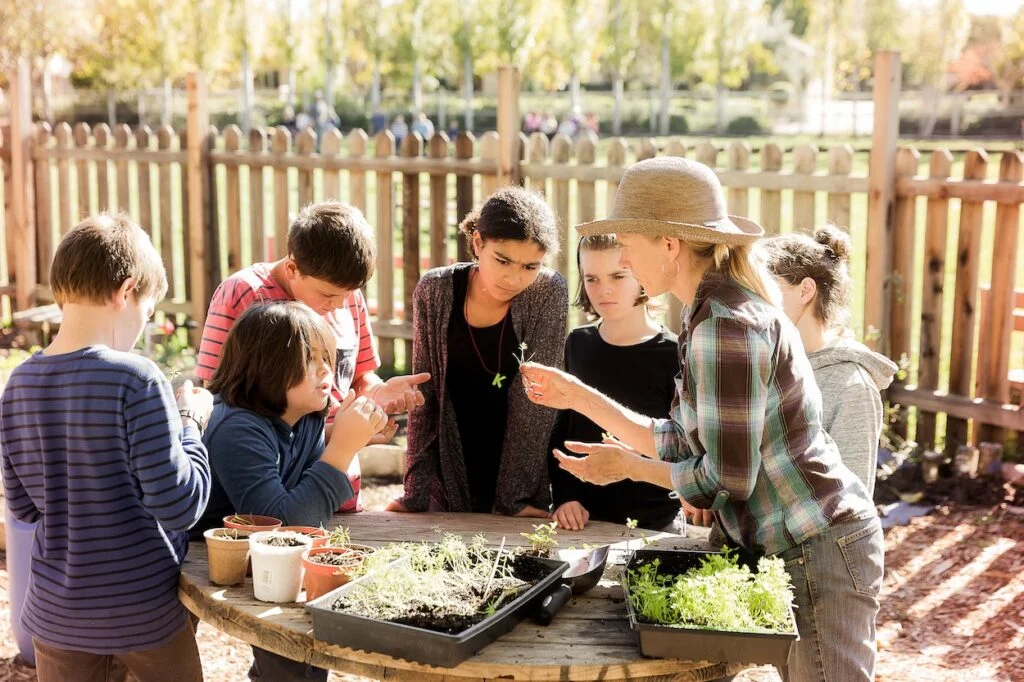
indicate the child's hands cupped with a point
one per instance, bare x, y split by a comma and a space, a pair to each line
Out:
358, 419
548, 386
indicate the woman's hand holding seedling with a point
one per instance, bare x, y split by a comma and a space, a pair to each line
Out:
357, 420
548, 386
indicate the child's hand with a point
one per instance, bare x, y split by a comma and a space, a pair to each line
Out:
398, 395
355, 423
198, 400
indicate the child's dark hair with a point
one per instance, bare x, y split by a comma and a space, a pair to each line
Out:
598, 242
333, 242
516, 214
823, 257
269, 350
95, 258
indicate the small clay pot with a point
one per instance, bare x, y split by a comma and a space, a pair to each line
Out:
227, 552
321, 578
253, 523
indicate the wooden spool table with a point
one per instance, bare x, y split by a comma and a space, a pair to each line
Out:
590, 639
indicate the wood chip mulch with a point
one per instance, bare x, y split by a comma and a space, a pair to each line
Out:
952, 606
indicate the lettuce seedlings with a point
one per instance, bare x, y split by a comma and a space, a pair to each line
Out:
720, 594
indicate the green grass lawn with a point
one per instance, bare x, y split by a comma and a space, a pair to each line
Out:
857, 224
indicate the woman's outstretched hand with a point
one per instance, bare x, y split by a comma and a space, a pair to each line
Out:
602, 464
548, 386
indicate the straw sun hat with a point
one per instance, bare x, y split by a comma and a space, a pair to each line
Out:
673, 197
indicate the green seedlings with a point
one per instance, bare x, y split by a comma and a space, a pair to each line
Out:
542, 539
719, 594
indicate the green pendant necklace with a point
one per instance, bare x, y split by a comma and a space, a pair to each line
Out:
498, 376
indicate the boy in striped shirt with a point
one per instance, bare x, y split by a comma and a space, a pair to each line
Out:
98, 452
330, 258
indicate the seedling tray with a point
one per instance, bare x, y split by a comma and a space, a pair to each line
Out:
420, 645
702, 644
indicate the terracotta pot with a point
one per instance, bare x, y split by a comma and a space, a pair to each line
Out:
322, 578
256, 523
318, 535
227, 556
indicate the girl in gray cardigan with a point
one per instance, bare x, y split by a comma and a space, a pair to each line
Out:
815, 290
475, 445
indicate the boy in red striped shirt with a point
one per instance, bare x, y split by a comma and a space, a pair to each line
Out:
330, 258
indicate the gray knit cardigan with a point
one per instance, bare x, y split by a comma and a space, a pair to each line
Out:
435, 471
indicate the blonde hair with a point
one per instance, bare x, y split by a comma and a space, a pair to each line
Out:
741, 264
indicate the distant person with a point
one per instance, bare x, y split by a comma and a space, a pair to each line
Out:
453, 129
531, 124
399, 129
424, 126
288, 118
378, 122
549, 124
569, 127
591, 123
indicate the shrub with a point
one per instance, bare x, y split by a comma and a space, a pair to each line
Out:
781, 92
746, 125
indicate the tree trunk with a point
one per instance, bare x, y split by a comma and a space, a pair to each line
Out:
467, 89
167, 111
140, 105
291, 79
330, 76
442, 110
47, 92
666, 79
111, 109
617, 88
652, 106
417, 86
375, 87
931, 111
721, 95
574, 92
247, 92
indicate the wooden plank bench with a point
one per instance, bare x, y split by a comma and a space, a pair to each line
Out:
38, 323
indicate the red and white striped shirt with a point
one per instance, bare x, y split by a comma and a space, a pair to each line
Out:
356, 354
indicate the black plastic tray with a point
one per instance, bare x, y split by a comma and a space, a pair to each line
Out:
418, 644
701, 644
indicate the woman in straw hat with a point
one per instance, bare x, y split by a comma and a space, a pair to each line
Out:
744, 441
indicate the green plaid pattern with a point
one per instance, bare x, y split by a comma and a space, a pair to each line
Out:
744, 433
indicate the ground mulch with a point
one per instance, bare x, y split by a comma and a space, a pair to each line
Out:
952, 605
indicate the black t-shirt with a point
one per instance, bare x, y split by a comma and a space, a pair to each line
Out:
641, 377
481, 407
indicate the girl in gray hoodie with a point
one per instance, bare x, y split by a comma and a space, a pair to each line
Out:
815, 281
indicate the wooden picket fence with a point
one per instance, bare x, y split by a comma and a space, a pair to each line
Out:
216, 201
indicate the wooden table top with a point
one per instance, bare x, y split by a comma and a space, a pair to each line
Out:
590, 639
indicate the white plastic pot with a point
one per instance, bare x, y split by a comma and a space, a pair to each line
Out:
277, 571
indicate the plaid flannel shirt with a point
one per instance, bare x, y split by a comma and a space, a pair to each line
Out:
744, 433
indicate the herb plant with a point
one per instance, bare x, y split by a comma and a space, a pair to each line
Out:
542, 539
720, 594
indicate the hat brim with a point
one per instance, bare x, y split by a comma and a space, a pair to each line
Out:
731, 230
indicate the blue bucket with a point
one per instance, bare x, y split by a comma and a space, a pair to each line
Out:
20, 536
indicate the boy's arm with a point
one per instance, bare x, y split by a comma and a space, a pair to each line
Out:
17, 498
169, 460
244, 458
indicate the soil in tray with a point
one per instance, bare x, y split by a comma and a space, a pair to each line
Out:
523, 568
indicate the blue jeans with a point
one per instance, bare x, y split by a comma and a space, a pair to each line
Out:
836, 576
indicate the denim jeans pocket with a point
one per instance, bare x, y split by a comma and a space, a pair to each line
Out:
864, 554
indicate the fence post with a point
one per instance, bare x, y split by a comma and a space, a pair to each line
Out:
881, 189
23, 199
508, 125
201, 249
